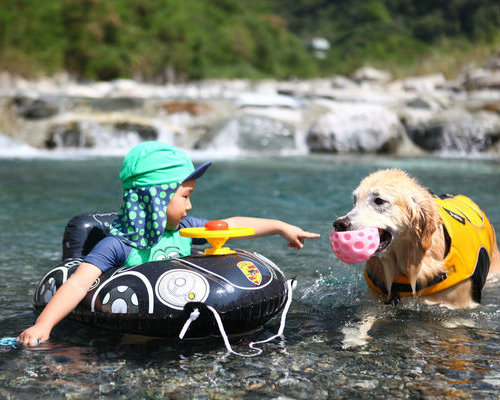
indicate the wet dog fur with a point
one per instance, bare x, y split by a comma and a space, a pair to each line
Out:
412, 241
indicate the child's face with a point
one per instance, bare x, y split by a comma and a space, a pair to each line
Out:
179, 205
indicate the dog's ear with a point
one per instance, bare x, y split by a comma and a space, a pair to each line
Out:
424, 219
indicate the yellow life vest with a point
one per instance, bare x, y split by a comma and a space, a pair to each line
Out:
471, 240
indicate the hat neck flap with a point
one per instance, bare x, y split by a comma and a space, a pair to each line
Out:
142, 219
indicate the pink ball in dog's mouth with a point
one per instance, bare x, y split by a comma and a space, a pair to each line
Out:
355, 247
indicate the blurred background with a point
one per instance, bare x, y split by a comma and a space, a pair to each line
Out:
378, 76
169, 41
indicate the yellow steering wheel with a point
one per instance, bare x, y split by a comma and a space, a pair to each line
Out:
217, 232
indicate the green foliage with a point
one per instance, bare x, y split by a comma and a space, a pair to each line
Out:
164, 40
30, 34
390, 33
153, 39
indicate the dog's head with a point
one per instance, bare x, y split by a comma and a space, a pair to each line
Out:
395, 204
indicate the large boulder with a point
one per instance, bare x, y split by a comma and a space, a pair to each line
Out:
356, 128
455, 130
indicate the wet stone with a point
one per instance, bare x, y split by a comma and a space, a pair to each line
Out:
254, 383
367, 384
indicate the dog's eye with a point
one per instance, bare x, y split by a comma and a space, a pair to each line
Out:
378, 201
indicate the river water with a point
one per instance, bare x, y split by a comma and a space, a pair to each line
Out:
411, 351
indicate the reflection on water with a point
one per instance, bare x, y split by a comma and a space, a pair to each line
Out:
411, 351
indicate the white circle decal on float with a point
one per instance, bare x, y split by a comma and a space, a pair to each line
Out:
119, 306
177, 287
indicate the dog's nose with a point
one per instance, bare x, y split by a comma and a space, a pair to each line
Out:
342, 224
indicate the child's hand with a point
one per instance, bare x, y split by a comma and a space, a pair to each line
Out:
295, 236
34, 335
65, 299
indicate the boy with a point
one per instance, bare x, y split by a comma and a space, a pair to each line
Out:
158, 181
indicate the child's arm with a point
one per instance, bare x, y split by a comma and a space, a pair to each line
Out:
64, 301
266, 227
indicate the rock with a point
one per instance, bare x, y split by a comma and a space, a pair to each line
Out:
190, 107
356, 95
482, 79
476, 99
455, 131
424, 102
492, 63
34, 108
371, 75
493, 106
116, 103
341, 82
266, 100
68, 135
302, 89
424, 84
145, 132
86, 133
356, 128
364, 384
8, 83
252, 133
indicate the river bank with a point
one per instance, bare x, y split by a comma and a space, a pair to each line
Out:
367, 112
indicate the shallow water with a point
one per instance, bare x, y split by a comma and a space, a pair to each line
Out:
412, 350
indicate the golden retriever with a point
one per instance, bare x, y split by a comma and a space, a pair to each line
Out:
441, 249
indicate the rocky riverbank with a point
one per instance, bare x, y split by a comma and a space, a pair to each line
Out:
368, 112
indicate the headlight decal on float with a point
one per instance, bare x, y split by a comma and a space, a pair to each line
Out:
177, 287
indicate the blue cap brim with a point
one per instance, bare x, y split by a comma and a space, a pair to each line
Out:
198, 171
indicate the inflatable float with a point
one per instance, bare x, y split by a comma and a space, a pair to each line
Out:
190, 296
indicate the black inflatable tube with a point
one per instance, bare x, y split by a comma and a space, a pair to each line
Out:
156, 298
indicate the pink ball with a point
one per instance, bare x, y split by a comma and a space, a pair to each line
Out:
355, 247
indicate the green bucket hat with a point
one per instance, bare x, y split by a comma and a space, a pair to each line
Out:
151, 173
156, 163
